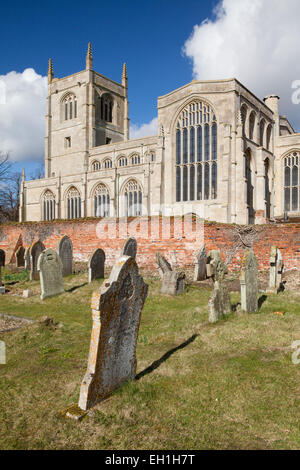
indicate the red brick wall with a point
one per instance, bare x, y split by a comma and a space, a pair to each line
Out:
177, 240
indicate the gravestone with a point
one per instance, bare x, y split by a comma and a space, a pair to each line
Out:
276, 269
2, 258
65, 251
96, 265
27, 259
219, 302
173, 282
200, 266
116, 311
35, 250
20, 257
249, 283
50, 269
129, 248
2, 264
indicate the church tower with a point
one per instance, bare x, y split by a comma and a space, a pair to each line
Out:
84, 110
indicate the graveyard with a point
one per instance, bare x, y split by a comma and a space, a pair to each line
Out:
226, 382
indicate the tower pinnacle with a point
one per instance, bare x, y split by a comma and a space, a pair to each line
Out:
89, 58
50, 71
124, 75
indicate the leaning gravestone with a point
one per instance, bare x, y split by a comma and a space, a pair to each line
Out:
173, 282
50, 268
36, 249
116, 311
129, 248
96, 265
200, 266
249, 284
219, 302
27, 258
276, 269
2, 264
65, 251
20, 257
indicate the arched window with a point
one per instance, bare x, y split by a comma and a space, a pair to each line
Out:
106, 110
101, 201
267, 189
96, 166
250, 186
135, 160
251, 125
73, 203
291, 165
48, 205
269, 135
133, 197
107, 163
152, 157
196, 154
122, 161
244, 111
261, 132
70, 107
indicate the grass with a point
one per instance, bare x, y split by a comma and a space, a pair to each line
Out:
231, 385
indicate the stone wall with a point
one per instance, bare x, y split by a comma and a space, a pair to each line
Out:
176, 239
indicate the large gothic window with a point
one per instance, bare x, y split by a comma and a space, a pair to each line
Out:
291, 182
133, 198
101, 201
48, 205
196, 143
73, 203
70, 107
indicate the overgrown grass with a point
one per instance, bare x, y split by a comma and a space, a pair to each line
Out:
231, 385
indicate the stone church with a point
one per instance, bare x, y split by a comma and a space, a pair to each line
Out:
220, 152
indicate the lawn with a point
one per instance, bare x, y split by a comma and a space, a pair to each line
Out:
231, 385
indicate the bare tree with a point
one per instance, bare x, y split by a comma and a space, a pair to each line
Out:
5, 165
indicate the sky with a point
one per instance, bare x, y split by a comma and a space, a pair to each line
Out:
165, 43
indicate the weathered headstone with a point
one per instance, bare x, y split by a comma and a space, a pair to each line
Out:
96, 265
219, 302
200, 266
20, 257
276, 269
65, 251
27, 259
35, 250
173, 282
2, 258
50, 268
27, 293
129, 248
116, 311
249, 284
163, 265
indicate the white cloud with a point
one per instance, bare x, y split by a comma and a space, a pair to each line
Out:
22, 114
255, 41
144, 130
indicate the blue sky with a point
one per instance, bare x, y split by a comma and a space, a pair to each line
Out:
148, 35
165, 44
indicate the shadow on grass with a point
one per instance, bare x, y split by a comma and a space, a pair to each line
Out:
261, 300
166, 356
76, 287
